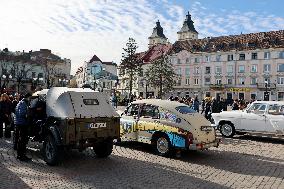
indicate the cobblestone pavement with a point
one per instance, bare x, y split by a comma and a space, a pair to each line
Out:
242, 162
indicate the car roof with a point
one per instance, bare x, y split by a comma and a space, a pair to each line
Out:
270, 102
167, 104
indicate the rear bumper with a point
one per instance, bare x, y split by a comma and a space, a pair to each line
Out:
202, 146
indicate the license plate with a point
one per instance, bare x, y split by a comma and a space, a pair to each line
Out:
97, 125
206, 128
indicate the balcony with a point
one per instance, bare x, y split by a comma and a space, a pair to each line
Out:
262, 86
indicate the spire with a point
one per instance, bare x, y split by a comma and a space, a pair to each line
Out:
188, 25
158, 31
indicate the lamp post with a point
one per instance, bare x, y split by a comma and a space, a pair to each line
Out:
6, 78
266, 97
146, 86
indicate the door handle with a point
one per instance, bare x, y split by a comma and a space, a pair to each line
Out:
156, 121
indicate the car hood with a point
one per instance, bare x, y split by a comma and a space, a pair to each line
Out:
233, 113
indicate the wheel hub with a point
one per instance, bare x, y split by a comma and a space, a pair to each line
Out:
49, 150
227, 130
162, 145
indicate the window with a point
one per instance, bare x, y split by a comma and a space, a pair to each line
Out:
207, 58
178, 83
241, 69
281, 54
280, 80
230, 69
178, 71
196, 81
218, 81
187, 60
218, 58
178, 61
187, 71
266, 55
276, 109
230, 57
257, 108
280, 96
218, 69
242, 57
149, 111
207, 80
253, 68
187, 81
132, 110
253, 81
241, 80
266, 68
196, 70
254, 56
207, 70
196, 60
229, 81
280, 68
185, 110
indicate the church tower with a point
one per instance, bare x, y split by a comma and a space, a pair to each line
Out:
157, 36
187, 31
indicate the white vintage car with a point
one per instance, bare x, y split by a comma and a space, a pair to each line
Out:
264, 118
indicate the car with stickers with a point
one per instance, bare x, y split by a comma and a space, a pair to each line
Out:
261, 118
76, 118
168, 126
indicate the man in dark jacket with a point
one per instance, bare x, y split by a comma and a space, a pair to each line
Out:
21, 122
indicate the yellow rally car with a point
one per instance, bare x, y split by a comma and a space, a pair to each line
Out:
167, 125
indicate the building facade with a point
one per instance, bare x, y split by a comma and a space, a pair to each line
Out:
29, 71
246, 66
97, 74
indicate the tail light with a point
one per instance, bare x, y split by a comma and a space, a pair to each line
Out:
189, 137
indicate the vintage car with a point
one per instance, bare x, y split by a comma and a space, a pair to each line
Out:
76, 118
259, 118
167, 125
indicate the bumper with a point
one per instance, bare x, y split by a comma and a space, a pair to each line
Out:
202, 146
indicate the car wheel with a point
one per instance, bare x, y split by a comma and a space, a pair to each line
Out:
162, 145
227, 130
103, 149
51, 151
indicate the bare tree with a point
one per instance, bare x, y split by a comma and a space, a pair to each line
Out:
20, 71
3, 71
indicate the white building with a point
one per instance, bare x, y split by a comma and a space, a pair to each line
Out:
97, 74
246, 66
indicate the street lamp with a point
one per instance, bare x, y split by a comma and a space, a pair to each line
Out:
6, 78
266, 97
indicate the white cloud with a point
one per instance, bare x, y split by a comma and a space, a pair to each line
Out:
80, 29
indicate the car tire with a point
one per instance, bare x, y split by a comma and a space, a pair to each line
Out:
227, 130
51, 151
104, 148
162, 145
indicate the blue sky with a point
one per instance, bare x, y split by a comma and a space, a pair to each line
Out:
79, 29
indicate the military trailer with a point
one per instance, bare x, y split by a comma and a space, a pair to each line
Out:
77, 118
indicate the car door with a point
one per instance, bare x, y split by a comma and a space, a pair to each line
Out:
275, 117
148, 123
255, 119
129, 123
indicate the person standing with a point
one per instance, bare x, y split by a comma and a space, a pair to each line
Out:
6, 110
196, 104
21, 122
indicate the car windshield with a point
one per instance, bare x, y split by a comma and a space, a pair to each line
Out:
257, 108
185, 109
